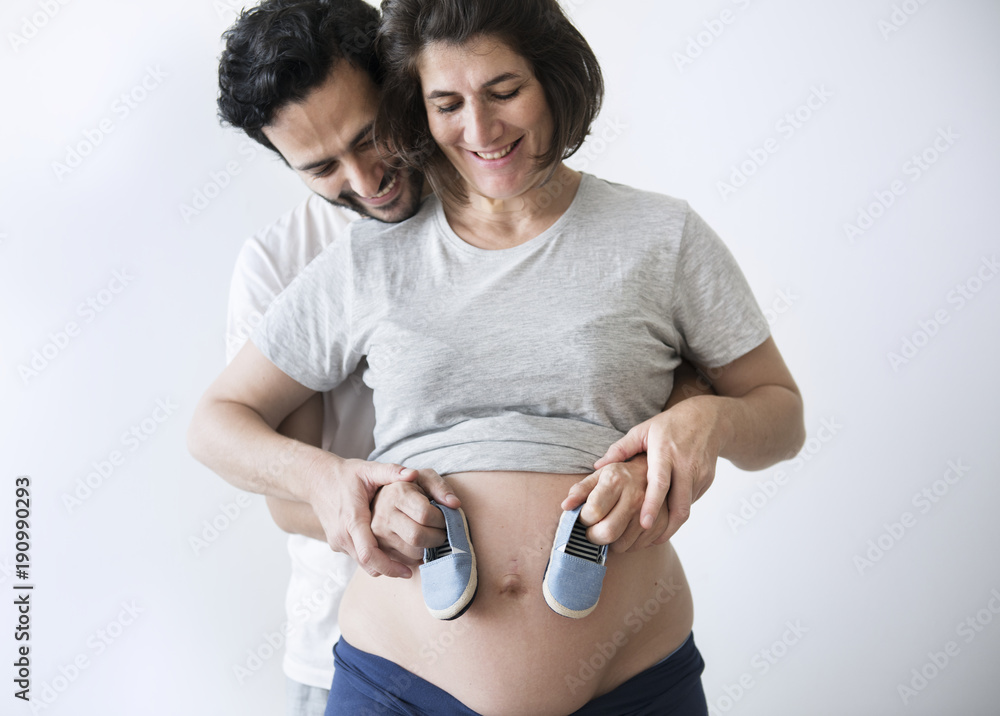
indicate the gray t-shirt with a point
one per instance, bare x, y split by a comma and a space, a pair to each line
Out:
534, 358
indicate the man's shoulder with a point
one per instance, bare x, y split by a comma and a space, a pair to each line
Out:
290, 243
312, 225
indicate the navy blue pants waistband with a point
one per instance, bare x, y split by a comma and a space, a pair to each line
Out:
368, 685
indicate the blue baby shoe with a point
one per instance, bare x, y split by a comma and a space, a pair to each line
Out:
575, 572
448, 576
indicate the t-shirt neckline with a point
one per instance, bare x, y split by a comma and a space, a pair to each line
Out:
459, 243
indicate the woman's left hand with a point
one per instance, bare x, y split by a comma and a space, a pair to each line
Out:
682, 446
613, 495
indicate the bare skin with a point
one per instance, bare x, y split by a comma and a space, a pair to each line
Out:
509, 653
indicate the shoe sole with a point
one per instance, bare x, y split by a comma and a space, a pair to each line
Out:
465, 601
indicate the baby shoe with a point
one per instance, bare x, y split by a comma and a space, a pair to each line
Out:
448, 575
575, 572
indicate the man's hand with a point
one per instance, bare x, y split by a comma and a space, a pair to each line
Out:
341, 492
613, 496
682, 445
405, 522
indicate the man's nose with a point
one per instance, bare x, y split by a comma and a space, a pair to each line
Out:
365, 176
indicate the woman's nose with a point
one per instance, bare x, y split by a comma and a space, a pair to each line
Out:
482, 128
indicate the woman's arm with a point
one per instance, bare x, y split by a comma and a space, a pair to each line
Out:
233, 431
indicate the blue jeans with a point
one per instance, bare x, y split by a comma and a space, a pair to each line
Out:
368, 685
304, 700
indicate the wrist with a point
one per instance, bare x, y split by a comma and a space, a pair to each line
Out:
724, 420
320, 467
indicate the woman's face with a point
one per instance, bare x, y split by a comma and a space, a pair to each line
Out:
488, 113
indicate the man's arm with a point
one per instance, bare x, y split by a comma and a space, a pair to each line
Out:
233, 431
305, 424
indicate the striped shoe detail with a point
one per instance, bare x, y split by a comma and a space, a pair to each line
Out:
579, 546
438, 552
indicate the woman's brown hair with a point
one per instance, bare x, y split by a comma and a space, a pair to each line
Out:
538, 30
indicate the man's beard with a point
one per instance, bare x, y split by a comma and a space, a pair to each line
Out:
402, 207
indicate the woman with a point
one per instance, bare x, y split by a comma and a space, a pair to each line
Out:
515, 330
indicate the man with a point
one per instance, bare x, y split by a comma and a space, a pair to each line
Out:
300, 77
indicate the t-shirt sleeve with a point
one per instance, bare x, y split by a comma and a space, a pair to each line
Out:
306, 331
715, 311
255, 284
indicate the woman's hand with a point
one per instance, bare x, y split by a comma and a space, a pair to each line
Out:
682, 446
405, 522
613, 496
341, 493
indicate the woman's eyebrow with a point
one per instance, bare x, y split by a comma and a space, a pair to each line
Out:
499, 79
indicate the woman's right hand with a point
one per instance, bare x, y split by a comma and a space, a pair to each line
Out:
341, 494
405, 522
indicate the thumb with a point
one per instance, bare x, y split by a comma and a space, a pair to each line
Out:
627, 447
377, 474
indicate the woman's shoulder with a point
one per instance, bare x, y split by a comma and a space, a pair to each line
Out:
628, 206
616, 190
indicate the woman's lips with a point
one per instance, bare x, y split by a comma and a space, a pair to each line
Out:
497, 158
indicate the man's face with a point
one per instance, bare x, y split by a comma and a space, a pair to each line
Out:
326, 139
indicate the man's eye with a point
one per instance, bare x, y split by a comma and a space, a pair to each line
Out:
324, 171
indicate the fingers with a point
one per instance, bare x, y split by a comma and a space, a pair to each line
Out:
602, 500
654, 535
405, 522
627, 447
629, 539
368, 555
658, 483
579, 492
612, 506
437, 489
679, 505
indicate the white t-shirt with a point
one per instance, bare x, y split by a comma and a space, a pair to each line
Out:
267, 263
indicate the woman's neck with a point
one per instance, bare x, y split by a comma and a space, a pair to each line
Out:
504, 223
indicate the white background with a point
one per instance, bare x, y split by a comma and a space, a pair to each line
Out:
839, 308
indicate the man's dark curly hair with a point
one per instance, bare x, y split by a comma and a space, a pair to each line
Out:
279, 51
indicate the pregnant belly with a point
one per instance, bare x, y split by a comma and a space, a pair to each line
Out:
509, 653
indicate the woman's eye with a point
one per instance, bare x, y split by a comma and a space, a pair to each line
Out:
509, 95
448, 109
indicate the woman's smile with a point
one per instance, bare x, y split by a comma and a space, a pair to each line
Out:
488, 113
